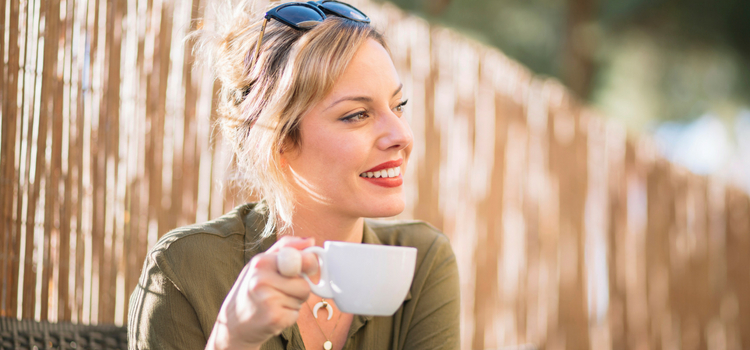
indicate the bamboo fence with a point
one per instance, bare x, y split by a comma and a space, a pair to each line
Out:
569, 234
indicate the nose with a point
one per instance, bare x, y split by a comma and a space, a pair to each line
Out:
395, 132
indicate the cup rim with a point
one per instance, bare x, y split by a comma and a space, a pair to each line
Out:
366, 245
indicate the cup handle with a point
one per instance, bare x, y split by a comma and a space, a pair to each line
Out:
323, 288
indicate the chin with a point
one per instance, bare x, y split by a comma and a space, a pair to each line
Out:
392, 208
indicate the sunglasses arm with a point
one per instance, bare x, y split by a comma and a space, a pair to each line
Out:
260, 39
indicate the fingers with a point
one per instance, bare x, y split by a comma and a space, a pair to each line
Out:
267, 274
262, 301
289, 262
309, 263
270, 298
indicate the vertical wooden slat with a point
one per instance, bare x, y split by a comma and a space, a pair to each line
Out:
427, 190
738, 244
165, 221
117, 9
131, 191
159, 78
51, 15
616, 231
110, 99
5, 234
64, 301
81, 45
24, 151
139, 217
67, 299
487, 307
129, 161
117, 148
215, 145
659, 253
188, 200
58, 252
513, 236
10, 174
5, 188
118, 158
97, 169
537, 102
33, 46
3, 66
568, 162
154, 120
555, 263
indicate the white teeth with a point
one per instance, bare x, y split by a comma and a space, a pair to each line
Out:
392, 172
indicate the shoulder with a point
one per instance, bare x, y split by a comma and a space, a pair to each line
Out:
413, 233
431, 244
200, 248
429, 318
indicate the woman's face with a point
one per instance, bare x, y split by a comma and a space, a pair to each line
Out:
351, 138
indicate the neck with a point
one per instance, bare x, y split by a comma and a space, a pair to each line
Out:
324, 226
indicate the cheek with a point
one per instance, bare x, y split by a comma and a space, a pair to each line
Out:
332, 153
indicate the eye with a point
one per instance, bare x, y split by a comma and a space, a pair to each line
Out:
400, 107
355, 117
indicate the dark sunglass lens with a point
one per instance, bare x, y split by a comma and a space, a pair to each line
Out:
301, 16
344, 10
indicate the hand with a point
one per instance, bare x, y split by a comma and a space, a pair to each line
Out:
263, 302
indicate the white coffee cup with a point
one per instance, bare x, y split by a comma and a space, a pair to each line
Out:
364, 279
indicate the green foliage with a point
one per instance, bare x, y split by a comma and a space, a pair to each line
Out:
659, 59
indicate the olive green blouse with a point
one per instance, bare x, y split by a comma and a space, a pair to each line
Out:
189, 272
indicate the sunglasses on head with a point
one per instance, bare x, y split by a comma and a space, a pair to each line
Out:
306, 15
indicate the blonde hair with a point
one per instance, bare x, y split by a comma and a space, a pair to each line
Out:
261, 103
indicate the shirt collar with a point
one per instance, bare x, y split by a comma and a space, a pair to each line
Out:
369, 236
255, 220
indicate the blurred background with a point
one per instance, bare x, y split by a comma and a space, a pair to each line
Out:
675, 69
588, 161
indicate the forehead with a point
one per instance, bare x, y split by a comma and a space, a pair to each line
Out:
370, 70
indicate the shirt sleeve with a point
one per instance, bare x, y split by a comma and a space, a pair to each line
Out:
160, 317
435, 323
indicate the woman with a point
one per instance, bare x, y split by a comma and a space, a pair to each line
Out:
313, 106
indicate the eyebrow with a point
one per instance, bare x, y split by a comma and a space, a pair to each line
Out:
361, 98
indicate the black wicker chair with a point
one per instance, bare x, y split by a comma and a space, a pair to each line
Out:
30, 334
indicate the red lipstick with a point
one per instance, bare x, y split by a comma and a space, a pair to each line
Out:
386, 165
385, 181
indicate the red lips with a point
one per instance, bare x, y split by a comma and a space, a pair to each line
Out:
386, 165
385, 181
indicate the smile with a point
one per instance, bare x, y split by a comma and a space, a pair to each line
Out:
385, 173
